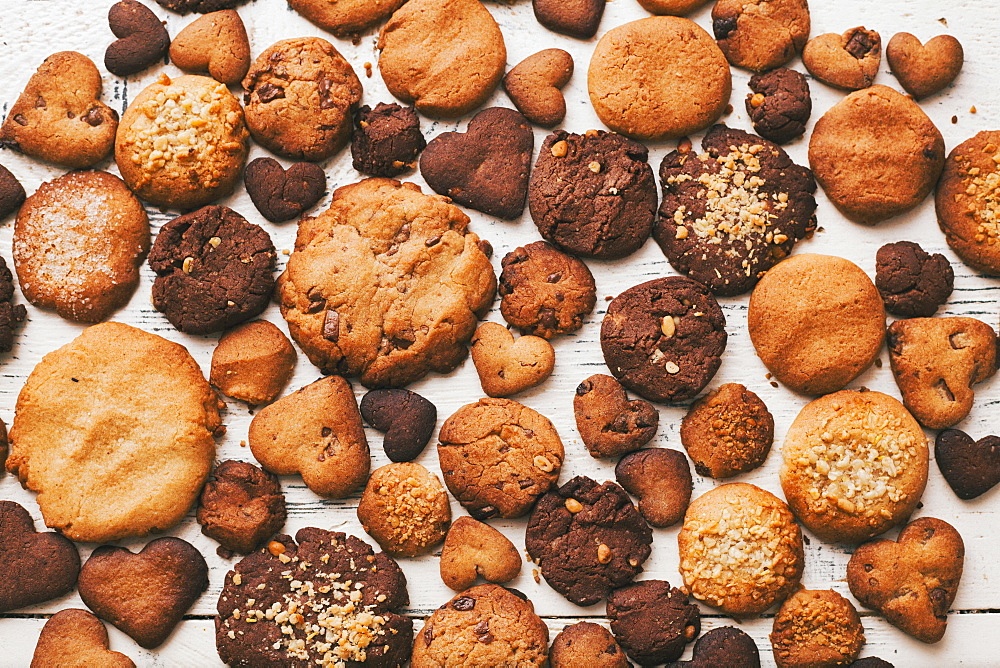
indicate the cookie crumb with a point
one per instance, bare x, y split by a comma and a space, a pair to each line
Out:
368, 70
972, 109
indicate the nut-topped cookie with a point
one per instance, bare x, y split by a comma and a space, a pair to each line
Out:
968, 201
405, 509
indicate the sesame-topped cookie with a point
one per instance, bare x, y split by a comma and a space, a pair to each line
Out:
968, 201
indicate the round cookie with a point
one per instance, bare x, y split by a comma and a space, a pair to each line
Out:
740, 549
498, 456
405, 509
727, 432
446, 57
658, 78
671, 7
79, 241
760, 35
664, 339
817, 322
299, 95
723, 646
182, 143
653, 621
108, 463
854, 465
345, 18
387, 140
586, 644
213, 270
816, 628
779, 105
876, 154
483, 626
340, 584
912, 283
734, 210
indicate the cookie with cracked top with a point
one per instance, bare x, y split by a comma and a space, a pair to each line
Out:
760, 35
10, 313
387, 139
34, 566
346, 18
653, 621
722, 646
779, 105
241, 506
816, 628
912, 282
727, 432
576, 18
586, 644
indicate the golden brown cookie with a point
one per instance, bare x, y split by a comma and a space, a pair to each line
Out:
817, 322
658, 78
924, 69
816, 628
609, 424
671, 7
760, 35
253, 362
854, 465
474, 549
849, 61
216, 43
405, 508
586, 644
727, 432
506, 366
534, 86
346, 18
74, 638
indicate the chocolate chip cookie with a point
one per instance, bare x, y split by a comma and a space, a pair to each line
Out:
387, 140
760, 35
779, 105
653, 621
727, 432
968, 210
912, 283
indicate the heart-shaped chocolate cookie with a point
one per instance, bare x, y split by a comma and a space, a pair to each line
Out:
924, 69
848, 61
281, 194
144, 594
506, 366
535, 86
485, 168
74, 637
661, 478
34, 567
609, 424
216, 43
407, 419
11, 193
473, 549
725, 646
970, 467
142, 38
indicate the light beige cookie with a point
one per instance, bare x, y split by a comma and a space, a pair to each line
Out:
216, 43
473, 549
506, 366
405, 509
253, 362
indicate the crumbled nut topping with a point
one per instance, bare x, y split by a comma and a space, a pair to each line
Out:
411, 508
986, 189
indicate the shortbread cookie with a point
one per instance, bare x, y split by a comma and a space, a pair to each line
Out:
586, 644
241, 507
912, 283
534, 86
253, 362
779, 105
346, 18
653, 621
34, 566
816, 628
472, 549
507, 366
387, 140
760, 35
75, 638
216, 43
849, 61
405, 509
727, 432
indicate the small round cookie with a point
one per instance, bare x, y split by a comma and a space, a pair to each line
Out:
760, 35
723, 646
387, 140
345, 18
740, 549
779, 105
658, 78
241, 506
586, 644
79, 241
854, 465
817, 322
10, 313
487, 625
498, 456
664, 339
182, 143
214, 269
446, 57
299, 95
405, 508
912, 283
544, 292
653, 621
816, 628
253, 362
876, 154
727, 432
671, 7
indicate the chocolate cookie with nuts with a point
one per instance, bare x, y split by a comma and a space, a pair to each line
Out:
387, 140
405, 508
653, 621
816, 628
727, 432
241, 506
779, 105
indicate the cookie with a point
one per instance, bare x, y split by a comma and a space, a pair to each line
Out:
727, 432
593, 195
346, 18
507, 367
576, 18
142, 38
912, 283
816, 628
971, 468
587, 539
182, 142
586, 644
722, 646
498, 456
405, 508
281, 194
315, 431
912, 581
299, 97
653, 621
341, 586
59, 117
3, 446
658, 78
850, 61
34, 567
407, 419
779, 105
74, 637
162, 581
924, 69
871, 662
11, 193
109, 464
10, 313
671, 7
661, 478
409, 304
253, 362
535, 86
485, 168
609, 424
387, 140
936, 361
424, 65
79, 241
663, 339
474, 549
876, 154
817, 322
740, 549
216, 43
241, 507
200, 6
761, 204
760, 35
854, 465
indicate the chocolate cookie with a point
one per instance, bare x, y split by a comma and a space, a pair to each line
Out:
586, 644
10, 313
971, 468
661, 478
671, 7
733, 211
142, 38
242, 506
11, 193
387, 140
912, 282
576, 18
341, 586
609, 424
588, 539
200, 6
779, 105
816, 628
722, 646
407, 419
282, 194
760, 35
593, 195
849, 61
34, 567
653, 621
727, 432
405, 508
664, 339
346, 18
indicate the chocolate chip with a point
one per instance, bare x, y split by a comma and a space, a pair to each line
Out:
269, 92
859, 45
464, 603
722, 27
433, 241
93, 118
21, 120
482, 631
583, 388
39, 102
325, 101
331, 326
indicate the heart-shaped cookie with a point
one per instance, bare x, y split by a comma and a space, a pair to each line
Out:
11, 193
970, 467
661, 478
144, 594
725, 646
609, 424
216, 43
473, 549
848, 61
74, 637
142, 38
407, 419
912, 581
924, 69
281, 194
506, 366
485, 168
535, 86
34, 567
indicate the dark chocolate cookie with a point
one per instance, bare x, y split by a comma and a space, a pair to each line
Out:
142, 38
282, 194
576, 18
724, 646
912, 283
734, 210
664, 339
971, 468
407, 419
387, 140
653, 621
199, 6
588, 539
340, 587
871, 662
11, 193
10, 313
779, 105
593, 195
242, 506
34, 567
213, 270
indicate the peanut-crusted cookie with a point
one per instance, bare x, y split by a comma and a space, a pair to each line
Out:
779, 105
405, 509
760, 35
912, 283
586, 644
346, 18
727, 432
816, 628
653, 621
968, 201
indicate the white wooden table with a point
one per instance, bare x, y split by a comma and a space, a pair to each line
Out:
32, 29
